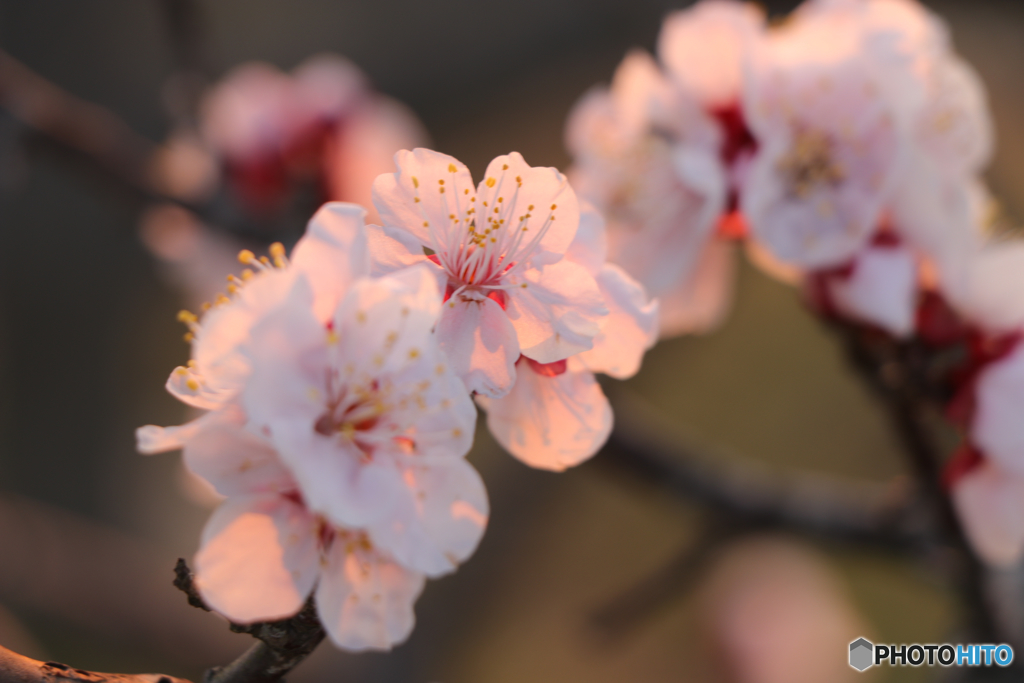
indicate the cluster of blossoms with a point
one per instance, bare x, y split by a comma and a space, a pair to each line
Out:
277, 145
338, 387
843, 146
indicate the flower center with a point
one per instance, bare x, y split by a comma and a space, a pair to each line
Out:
810, 163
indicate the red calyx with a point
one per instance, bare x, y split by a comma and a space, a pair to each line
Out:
548, 369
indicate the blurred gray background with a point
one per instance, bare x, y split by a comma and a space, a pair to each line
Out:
89, 530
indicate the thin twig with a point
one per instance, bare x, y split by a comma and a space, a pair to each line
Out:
283, 644
15, 668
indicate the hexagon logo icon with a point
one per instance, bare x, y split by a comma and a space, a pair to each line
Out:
861, 651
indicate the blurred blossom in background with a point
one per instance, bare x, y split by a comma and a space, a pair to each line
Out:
307, 101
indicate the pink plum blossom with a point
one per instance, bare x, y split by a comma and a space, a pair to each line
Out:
497, 253
264, 552
336, 431
330, 255
648, 158
829, 146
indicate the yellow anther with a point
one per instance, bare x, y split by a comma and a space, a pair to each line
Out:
456, 432
451, 168
553, 207
501, 199
523, 285
264, 260
221, 299
189, 336
247, 274
232, 288
466, 191
192, 364
490, 182
415, 183
451, 215
192, 385
426, 224
519, 179
186, 317
181, 371
495, 209
416, 199
414, 353
206, 306
441, 190
530, 207
440, 182
504, 167
246, 257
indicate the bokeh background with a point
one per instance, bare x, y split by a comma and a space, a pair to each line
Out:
89, 530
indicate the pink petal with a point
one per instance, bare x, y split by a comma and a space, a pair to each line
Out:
700, 303
235, 461
480, 343
704, 48
551, 422
629, 330
990, 503
558, 313
418, 176
440, 520
332, 254
392, 249
364, 600
531, 190
258, 559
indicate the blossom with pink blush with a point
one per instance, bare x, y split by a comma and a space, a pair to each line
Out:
322, 124
263, 553
497, 253
705, 46
556, 415
330, 255
829, 148
370, 418
648, 157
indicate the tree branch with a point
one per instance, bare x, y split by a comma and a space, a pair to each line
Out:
889, 515
902, 374
15, 668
